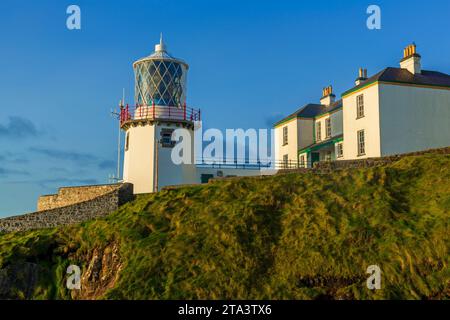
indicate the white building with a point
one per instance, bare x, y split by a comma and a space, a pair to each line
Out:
312, 133
397, 110
160, 95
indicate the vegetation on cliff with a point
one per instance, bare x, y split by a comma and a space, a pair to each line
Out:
292, 236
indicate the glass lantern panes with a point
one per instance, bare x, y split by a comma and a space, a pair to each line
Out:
160, 81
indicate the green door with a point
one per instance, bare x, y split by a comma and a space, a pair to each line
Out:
315, 157
205, 177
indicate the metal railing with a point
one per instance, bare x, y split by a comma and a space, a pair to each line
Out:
144, 112
250, 165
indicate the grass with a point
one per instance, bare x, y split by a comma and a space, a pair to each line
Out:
293, 236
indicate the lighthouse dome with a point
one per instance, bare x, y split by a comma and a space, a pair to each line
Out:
160, 79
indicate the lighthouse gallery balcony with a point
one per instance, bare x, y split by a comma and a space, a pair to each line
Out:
144, 114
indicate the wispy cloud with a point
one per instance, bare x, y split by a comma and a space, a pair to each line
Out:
50, 183
56, 182
18, 128
79, 158
64, 155
12, 157
10, 172
107, 164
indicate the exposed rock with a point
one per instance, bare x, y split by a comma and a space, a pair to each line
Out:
102, 271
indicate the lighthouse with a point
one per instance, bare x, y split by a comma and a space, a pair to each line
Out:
160, 108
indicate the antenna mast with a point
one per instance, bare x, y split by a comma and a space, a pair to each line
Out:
118, 137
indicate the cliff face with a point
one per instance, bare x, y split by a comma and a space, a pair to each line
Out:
291, 236
30, 280
102, 272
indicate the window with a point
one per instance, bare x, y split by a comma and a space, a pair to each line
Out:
328, 128
166, 138
302, 161
339, 150
285, 136
360, 106
127, 141
318, 131
161, 81
328, 156
361, 143
285, 161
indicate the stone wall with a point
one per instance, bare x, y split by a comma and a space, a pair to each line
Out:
71, 195
99, 206
329, 166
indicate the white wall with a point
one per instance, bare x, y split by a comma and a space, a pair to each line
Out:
370, 123
140, 161
413, 118
305, 133
139, 158
170, 173
291, 148
336, 123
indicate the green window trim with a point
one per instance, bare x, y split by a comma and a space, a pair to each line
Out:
310, 149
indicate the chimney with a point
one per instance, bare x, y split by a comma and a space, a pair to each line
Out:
327, 96
362, 76
411, 60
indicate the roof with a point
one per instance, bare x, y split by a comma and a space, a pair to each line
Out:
161, 56
311, 110
161, 53
399, 75
322, 143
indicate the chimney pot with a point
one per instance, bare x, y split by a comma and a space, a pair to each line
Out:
327, 96
411, 60
362, 75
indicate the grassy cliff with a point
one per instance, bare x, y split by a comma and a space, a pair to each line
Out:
293, 236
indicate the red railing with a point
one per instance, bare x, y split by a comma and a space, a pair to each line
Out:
143, 112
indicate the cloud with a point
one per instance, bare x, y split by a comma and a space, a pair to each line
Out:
46, 183
107, 164
9, 172
56, 182
85, 159
13, 158
18, 128
59, 169
64, 155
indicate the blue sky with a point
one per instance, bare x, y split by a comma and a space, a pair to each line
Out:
251, 62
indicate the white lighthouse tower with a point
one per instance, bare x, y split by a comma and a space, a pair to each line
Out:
160, 97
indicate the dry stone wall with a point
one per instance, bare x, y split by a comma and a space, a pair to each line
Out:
71, 195
99, 206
